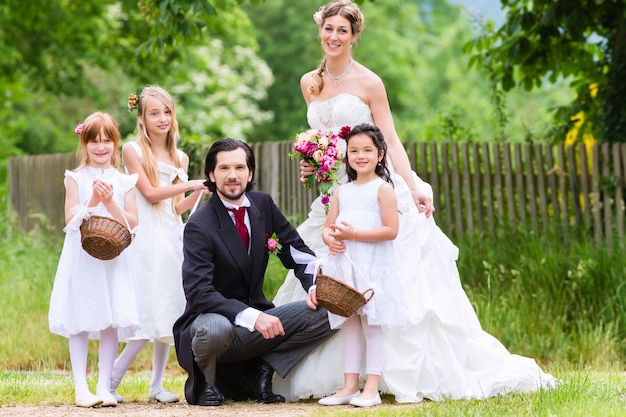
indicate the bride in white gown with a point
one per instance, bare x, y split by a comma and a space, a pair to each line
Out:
442, 353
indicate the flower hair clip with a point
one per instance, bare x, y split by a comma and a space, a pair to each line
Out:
272, 245
78, 129
317, 16
133, 99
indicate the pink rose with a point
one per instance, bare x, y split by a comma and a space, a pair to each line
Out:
78, 128
317, 155
271, 244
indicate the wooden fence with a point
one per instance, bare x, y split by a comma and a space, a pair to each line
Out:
479, 187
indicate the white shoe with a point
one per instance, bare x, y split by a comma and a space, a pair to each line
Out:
117, 397
116, 383
361, 402
338, 401
164, 396
88, 401
108, 400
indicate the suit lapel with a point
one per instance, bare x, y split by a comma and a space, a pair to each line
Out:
257, 241
258, 252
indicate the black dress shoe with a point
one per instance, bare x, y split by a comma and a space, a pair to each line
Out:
263, 386
210, 396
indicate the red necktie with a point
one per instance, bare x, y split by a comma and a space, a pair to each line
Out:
240, 224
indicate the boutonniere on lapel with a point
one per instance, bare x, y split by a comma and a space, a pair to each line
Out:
272, 245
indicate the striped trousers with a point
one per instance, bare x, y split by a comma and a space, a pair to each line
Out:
215, 340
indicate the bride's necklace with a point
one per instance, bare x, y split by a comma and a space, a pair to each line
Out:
338, 80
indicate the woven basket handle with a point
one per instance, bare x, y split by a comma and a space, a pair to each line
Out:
126, 221
371, 294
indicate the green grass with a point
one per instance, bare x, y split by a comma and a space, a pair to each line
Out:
582, 393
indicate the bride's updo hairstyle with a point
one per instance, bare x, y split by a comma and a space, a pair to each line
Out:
378, 140
342, 8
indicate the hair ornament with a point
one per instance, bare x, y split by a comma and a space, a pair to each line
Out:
317, 16
78, 128
344, 132
133, 99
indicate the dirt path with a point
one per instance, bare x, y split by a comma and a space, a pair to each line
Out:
182, 409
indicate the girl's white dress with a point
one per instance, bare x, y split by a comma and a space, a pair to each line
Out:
89, 294
158, 261
442, 352
366, 265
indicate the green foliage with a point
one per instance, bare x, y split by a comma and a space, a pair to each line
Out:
580, 41
88, 57
571, 293
61, 60
287, 39
178, 21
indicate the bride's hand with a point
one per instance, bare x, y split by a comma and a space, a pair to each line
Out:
306, 169
423, 202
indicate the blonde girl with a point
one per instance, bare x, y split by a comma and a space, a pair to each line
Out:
162, 184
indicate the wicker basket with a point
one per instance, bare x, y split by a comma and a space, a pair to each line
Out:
338, 297
103, 237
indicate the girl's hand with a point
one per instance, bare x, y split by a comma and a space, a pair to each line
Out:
336, 246
339, 233
306, 169
103, 190
195, 185
343, 231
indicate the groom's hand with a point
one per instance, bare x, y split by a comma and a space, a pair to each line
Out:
269, 326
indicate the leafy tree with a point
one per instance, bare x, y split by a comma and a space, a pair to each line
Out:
60, 60
580, 40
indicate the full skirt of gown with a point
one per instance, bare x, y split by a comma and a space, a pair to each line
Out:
443, 352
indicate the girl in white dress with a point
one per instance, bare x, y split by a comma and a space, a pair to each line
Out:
360, 229
92, 298
162, 184
443, 351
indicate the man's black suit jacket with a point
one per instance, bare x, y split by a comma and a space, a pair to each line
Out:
219, 276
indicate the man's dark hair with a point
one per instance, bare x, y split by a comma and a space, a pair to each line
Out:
225, 145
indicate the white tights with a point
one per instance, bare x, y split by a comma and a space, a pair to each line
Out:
374, 346
132, 349
106, 356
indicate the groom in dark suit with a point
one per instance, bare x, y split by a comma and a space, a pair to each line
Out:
231, 339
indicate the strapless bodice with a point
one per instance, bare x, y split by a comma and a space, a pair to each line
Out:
341, 110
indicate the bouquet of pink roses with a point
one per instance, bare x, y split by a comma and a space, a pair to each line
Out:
319, 148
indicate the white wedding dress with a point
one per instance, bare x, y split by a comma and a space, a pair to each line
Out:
442, 353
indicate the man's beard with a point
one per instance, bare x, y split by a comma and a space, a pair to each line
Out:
230, 197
